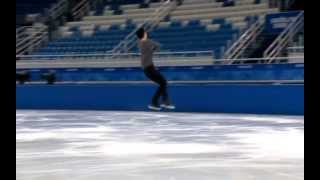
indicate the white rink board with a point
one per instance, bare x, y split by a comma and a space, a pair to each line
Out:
108, 145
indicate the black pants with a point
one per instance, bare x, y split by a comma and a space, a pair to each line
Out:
155, 76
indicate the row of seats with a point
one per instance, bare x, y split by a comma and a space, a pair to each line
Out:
89, 42
192, 37
203, 10
194, 26
116, 5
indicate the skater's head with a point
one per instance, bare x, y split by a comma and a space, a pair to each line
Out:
142, 34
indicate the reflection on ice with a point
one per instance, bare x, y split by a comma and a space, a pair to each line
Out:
94, 145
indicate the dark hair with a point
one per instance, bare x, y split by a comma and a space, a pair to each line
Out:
140, 33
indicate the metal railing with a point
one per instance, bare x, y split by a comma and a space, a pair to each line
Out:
130, 40
248, 37
58, 9
247, 82
20, 34
29, 38
108, 56
80, 10
161, 60
285, 37
248, 61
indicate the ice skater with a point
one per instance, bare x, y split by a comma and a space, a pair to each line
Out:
147, 48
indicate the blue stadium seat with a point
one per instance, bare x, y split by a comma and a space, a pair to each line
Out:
191, 37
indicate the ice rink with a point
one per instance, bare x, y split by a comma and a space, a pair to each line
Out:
102, 145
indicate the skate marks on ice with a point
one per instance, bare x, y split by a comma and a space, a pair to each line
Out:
83, 145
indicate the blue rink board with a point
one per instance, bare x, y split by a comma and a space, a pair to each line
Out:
253, 72
214, 98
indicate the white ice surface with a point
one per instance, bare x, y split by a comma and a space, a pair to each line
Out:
100, 145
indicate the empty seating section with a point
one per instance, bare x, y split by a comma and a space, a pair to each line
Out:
24, 7
115, 6
197, 25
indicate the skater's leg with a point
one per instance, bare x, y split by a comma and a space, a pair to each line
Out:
162, 90
156, 96
152, 74
156, 77
163, 87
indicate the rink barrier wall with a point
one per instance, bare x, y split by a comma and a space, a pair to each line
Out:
294, 71
287, 99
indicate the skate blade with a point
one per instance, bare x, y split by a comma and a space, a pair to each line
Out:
154, 108
168, 106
